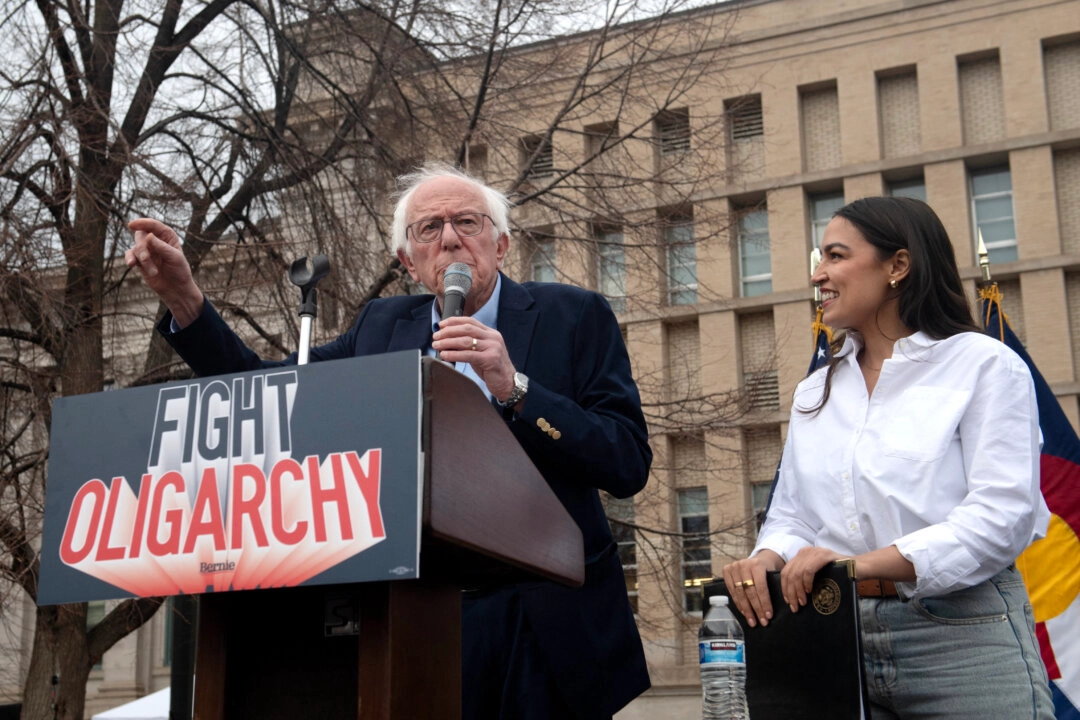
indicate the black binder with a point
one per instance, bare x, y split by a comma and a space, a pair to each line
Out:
806, 665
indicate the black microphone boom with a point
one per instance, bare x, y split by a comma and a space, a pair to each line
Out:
456, 283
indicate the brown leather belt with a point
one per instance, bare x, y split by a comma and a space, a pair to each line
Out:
876, 589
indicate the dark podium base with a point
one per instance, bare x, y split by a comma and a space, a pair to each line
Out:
266, 654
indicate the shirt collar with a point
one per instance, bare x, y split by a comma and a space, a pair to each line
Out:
487, 315
853, 343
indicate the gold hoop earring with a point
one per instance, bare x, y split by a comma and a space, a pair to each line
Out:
892, 284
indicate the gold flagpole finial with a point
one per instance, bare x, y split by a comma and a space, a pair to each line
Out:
984, 258
815, 260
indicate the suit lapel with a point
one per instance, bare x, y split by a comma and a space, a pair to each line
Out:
517, 321
412, 333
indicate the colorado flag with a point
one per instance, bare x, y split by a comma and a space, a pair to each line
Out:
1051, 566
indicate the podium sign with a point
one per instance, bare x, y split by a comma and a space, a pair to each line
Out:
263, 479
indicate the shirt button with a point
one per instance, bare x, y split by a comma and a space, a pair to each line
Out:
854, 527
846, 475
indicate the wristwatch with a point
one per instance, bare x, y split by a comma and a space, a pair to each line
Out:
521, 386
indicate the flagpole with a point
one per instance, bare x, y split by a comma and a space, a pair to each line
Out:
984, 261
989, 294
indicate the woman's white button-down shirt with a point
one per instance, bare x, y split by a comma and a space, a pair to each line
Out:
941, 461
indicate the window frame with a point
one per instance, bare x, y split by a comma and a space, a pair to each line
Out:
746, 120
818, 224
905, 185
692, 602
622, 509
993, 246
745, 237
543, 248
673, 131
680, 254
543, 166
611, 253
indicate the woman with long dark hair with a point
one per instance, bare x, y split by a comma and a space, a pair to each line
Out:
916, 454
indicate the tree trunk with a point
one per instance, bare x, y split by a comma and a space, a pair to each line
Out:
59, 665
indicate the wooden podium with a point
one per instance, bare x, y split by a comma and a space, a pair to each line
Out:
488, 517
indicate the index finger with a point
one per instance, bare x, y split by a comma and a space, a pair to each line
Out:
757, 594
460, 321
156, 227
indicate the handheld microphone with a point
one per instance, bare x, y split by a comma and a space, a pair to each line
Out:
456, 283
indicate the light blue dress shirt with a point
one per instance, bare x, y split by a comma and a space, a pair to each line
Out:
488, 315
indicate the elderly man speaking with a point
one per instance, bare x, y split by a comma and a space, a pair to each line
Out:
552, 360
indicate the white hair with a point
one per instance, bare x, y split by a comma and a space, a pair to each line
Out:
498, 206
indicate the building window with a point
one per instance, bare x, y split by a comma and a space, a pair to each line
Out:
620, 512
822, 208
762, 389
760, 492
673, 131
745, 120
681, 261
542, 260
757, 341
696, 549
600, 138
611, 266
755, 264
992, 208
536, 157
915, 188
763, 447
476, 160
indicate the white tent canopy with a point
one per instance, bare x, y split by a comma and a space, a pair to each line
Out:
154, 706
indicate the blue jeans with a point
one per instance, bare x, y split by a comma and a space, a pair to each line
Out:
969, 654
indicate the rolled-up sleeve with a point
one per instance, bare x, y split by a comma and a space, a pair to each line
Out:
999, 438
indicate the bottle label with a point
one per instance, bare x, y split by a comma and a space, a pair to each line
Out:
721, 650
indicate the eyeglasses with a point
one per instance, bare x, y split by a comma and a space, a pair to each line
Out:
465, 225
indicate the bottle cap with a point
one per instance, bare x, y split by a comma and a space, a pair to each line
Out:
718, 600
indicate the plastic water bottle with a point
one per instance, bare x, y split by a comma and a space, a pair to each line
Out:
722, 652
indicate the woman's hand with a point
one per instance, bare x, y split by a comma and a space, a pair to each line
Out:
745, 580
797, 577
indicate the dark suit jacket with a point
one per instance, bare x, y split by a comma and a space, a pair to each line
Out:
568, 343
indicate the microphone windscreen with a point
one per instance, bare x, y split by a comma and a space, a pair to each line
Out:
457, 278
456, 283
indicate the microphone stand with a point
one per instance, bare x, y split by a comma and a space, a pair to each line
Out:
306, 275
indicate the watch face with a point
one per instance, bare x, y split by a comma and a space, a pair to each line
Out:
521, 386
